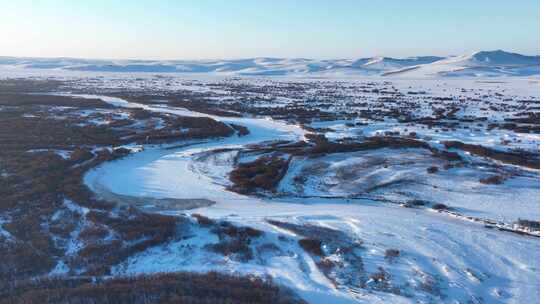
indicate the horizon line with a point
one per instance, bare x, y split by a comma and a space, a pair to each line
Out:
257, 57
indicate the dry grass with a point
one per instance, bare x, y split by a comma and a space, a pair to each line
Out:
211, 288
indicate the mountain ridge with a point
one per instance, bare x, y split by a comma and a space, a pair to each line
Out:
481, 63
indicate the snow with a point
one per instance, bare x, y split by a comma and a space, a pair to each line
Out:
74, 244
71, 206
459, 257
481, 64
496, 138
60, 269
65, 154
3, 232
463, 259
486, 63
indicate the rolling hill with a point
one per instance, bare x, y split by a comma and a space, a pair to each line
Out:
478, 64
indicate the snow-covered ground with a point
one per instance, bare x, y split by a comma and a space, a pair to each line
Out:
401, 175
478, 64
442, 258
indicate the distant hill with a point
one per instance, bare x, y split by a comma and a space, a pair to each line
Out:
484, 63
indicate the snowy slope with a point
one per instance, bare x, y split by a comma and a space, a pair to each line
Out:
478, 64
441, 260
485, 63
252, 66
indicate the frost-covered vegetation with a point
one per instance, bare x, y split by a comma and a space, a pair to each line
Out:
344, 190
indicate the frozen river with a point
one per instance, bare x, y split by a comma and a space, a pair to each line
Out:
467, 260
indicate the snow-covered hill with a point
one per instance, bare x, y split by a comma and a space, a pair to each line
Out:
479, 64
485, 63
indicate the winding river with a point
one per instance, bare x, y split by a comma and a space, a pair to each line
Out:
165, 173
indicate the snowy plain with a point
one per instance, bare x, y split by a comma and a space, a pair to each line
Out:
443, 259
465, 260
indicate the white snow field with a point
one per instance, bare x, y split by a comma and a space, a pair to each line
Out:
478, 64
444, 257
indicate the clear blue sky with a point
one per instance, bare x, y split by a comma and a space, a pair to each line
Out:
182, 29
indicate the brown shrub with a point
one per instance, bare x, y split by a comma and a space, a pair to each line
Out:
241, 130
236, 248
211, 288
203, 220
418, 202
261, 174
493, 180
94, 233
432, 169
312, 246
439, 207
528, 224
392, 253
381, 276
514, 158
81, 155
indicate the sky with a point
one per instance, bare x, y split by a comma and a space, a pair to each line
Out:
211, 29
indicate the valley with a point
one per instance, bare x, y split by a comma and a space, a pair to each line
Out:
362, 190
